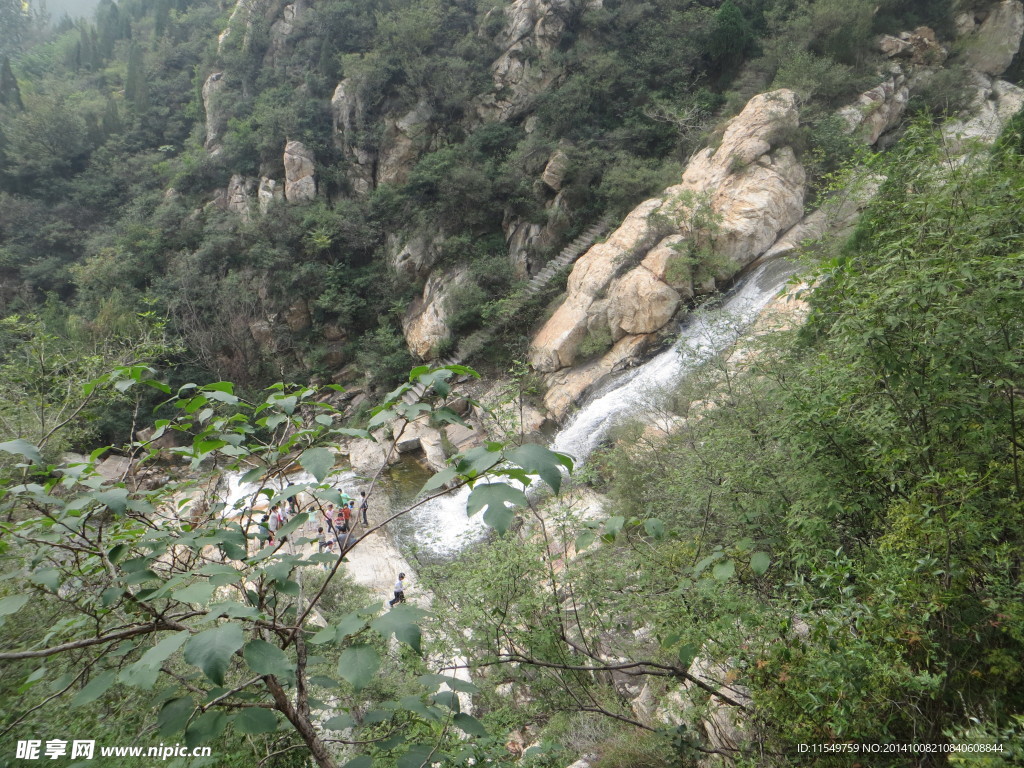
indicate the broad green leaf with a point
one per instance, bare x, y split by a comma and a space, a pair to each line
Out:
265, 658
318, 462
358, 664
47, 577
363, 761
493, 497
96, 688
759, 562
12, 604
174, 714
584, 540
110, 596
723, 571
434, 681
700, 567
293, 524
469, 725
401, 621
207, 727
613, 525
538, 460
418, 756
22, 448
381, 418
200, 592
255, 720
478, 460
447, 699
211, 650
415, 704
340, 722
232, 610
323, 681
143, 673
687, 653
445, 415
438, 480
655, 528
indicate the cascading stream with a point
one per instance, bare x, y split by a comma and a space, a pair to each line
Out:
441, 526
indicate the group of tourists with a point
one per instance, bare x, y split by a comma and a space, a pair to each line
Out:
337, 529
276, 518
339, 521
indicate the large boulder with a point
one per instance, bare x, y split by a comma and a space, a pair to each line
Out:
639, 302
568, 386
556, 344
752, 184
556, 169
412, 259
299, 172
994, 103
991, 46
281, 31
269, 192
425, 324
733, 202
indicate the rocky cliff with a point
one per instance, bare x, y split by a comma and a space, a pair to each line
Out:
743, 200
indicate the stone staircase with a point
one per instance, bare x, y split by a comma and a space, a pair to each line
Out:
473, 343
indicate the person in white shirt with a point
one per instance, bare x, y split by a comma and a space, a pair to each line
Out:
399, 591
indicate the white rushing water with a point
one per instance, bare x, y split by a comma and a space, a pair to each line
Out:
441, 526
707, 332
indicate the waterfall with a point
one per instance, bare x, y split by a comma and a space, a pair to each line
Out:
441, 526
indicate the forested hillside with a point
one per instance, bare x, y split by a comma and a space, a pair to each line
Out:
229, 230
133, 146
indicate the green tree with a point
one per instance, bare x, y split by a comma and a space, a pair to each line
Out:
10, 94
193, 596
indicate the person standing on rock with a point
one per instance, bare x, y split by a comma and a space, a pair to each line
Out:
399, 591
364, 506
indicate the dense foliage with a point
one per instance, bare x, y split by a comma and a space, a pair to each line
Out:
824, 525
105, 184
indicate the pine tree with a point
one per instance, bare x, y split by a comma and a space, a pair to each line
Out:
10, 94
135, 91
111, 120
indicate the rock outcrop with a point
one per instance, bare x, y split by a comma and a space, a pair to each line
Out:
282, 29
299, 173
425, 324
732, 204
413, 259
991, 44
268, 193
879, 109
994, 103
216, 118
239, 196
532, 31
404, 140
347, 110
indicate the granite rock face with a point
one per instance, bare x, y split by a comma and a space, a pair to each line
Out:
299, 173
